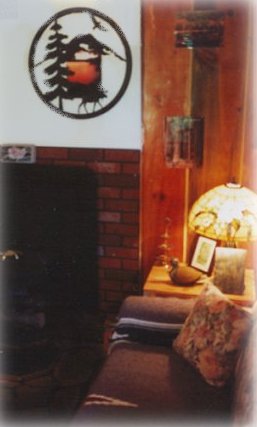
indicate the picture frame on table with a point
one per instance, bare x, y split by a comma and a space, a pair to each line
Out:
203, 254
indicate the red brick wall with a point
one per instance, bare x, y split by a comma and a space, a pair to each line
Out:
117, 173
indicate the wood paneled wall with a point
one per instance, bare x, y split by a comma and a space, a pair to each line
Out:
166, 92
212, 83
220, 86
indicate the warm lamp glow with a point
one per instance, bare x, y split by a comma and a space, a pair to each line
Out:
227, 212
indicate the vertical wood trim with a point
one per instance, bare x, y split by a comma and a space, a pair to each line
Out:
186, 205
187, 171
245, 121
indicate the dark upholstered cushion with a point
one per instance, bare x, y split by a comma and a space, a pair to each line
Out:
146, 381
245, 395
151, 320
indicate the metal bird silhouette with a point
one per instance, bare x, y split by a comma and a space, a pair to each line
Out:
97, 24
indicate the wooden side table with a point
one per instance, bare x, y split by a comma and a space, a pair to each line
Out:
158, 283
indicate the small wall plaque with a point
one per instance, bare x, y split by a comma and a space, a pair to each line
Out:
184, 141
10, 153
199, 29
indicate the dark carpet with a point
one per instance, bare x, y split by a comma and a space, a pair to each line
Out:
47, 380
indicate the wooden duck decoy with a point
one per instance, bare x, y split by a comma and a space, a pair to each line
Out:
182, 274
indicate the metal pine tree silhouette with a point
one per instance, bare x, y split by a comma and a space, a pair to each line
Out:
57, 71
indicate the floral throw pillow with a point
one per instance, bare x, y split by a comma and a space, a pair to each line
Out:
212, 335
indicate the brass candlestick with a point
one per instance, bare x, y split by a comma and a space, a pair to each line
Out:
165, 247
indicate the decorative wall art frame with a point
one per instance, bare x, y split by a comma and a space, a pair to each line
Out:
69, 75
203, 254
81, 83
201, 28
17, 153
183, 141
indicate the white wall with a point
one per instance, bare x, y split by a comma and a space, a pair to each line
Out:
26, 119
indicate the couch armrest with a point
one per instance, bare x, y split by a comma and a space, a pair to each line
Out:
149, 320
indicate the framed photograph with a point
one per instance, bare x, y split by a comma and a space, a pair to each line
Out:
184, 141
203, 254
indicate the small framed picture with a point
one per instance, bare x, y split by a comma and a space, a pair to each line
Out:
17, 153
203, 254
184, 141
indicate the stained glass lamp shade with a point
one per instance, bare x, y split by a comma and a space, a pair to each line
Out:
227, 213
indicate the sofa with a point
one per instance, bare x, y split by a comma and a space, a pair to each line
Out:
145, 379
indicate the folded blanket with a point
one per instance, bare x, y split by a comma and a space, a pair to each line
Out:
155, 321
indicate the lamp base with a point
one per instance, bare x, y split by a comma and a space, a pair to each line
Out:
229, 270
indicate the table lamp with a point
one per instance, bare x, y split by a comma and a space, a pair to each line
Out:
227, 213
